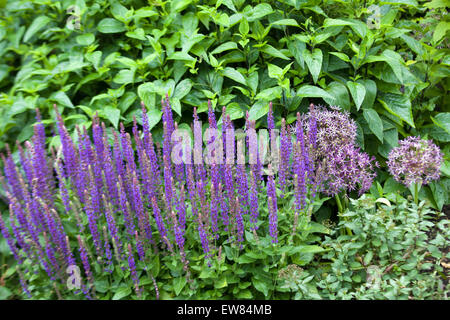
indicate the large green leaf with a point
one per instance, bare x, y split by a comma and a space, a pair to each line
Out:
339, 94
258, 110
371, 93
314, 62
442, 120
375, 123
358, 92
314, 92
398, 105
234, 75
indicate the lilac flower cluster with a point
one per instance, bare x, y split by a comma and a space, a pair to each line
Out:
129, 199
415, 160
337, 163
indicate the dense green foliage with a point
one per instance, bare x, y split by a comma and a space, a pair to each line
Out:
105, 57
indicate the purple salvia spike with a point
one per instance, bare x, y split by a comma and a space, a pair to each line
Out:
253, 196
124, 207
139, 247
25, 162
223, 207
92, 223
11, 174
214, 210
160, 223
69, 151
239, 223
62, 186
85, 259
272, 197
132, 267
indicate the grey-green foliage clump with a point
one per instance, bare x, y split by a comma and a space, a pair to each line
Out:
396, 250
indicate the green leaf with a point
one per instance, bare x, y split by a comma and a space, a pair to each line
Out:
258, 110
154, 116
62, 99
235, 75
341, 56
110, 25
398, 105
308, 249
37, 24
274, 71
244, 294
124, 76
5, 293
441, 30
85, 39
394, 60
286, 22
221, 283
273, 52
230, 45
183, 56
439, 194
313, 92
234, 111
371, 93
340, 95
296, 47
259, 11
336, 22
122, 293
112, 114
314, 62
261, 286
182, 89
178, 284
442, 120
375, 123
358, 92
270, 94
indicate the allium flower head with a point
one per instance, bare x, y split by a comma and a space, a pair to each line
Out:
415, 160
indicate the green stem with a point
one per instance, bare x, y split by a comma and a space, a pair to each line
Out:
341, 211
416, 193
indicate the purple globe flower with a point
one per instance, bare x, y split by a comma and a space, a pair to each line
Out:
415, 161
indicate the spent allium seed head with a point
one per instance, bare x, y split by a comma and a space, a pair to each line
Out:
415, 160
